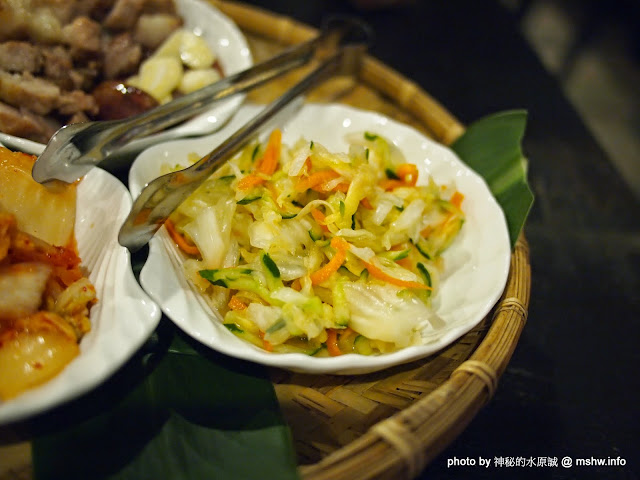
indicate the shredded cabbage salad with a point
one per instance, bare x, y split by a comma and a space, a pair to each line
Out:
306, 250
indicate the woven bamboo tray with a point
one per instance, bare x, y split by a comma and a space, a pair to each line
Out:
388, 424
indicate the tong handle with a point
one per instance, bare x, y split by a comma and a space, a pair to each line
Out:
164, 194
75, 148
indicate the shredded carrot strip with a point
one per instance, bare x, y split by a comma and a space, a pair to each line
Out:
408, 173
269, 161
340, 243
236, 304
250, 181
456, 199
332, 266
315, 179
380, 275
366, 203
332, 342
426, 231
266, 344
391, 184
307, 166
182, 242
319, 217
342, 187
326, 187
405, 262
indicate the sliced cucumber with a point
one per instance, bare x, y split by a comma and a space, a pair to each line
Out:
362, 346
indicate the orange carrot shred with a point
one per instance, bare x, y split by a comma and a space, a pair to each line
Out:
408, 173
342, 187
315, 179
307, 166
366, 203
180, 240
332, 266
456, 199
250, 181
269, 161
266, 344
236, 304
380, 275
391, 184
327, 187
405, 262
319, 217
332, 342
426, 231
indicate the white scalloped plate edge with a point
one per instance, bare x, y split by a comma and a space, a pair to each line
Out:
477, 263
124, 316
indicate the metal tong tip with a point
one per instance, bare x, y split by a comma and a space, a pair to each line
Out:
342, 45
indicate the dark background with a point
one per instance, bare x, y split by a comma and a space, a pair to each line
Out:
572, 386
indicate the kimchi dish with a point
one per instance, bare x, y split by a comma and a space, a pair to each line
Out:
45, 295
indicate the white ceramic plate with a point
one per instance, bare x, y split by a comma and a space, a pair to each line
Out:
477, 264
234, 55
124, 316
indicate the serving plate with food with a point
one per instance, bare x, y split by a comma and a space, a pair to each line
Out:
71, 310
344, 243
78, 62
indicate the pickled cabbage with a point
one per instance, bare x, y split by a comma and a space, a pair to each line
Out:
45, 297
306, 250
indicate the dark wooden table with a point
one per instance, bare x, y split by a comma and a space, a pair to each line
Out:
572, 387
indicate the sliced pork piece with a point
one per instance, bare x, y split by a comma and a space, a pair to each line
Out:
24, 124
95, 9
24, 90
83, 37
124, 14
58, 67
122, 56
20, 57
84, 77
160, 6
77, 101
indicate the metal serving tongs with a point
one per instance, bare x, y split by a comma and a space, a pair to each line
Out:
74, 149
164, 194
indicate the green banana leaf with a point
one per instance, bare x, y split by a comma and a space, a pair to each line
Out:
180, 411
492, 147
188, 414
